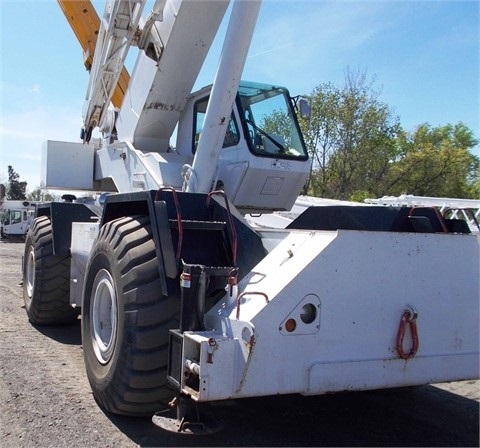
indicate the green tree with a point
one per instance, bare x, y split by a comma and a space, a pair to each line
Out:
351, 138
476, 183
321, 135
42, 195
278, 123
16, 188
436, 161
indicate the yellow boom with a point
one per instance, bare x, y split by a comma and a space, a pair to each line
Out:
85, 23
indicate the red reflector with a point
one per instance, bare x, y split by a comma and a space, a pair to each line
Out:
290, 325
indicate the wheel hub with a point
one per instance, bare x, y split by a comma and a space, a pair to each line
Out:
104, 316
30, 272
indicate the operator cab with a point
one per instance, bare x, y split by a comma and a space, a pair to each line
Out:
264, 163
269, 123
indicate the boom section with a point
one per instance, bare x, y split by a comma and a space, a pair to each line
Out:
118, 28
165, 71
85, 23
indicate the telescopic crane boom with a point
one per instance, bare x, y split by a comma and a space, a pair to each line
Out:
117, 30
85, 23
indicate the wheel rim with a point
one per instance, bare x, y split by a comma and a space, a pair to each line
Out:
30, 272
104, 316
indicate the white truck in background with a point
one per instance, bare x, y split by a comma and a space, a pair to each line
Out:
179, 294
16, 217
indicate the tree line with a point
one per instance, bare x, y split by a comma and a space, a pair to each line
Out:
359, 148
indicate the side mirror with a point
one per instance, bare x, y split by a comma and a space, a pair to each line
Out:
304, 108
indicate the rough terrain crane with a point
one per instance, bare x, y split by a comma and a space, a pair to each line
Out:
179, 294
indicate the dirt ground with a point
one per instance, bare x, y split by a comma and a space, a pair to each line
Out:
46, 400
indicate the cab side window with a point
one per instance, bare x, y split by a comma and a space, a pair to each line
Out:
232, 136
16, 217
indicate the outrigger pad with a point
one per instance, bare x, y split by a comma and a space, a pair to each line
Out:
186, 419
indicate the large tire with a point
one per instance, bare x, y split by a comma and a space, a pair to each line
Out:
46, 278
126, 320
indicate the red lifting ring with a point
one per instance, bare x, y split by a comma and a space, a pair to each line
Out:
409, 318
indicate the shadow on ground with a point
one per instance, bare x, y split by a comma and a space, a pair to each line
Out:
420, 416
69, 334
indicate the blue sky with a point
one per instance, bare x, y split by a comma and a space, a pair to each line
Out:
424, 55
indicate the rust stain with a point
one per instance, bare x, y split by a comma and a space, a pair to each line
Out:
158, 105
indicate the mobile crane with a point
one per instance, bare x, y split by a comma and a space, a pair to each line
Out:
179, 294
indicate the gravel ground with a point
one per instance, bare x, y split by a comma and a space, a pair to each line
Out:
46, 400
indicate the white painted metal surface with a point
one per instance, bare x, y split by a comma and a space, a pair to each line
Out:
83, 237
232, 60
159, 88
360, 283
67, 165
134, 170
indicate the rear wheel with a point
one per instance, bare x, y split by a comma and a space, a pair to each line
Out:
46, 278
126, 320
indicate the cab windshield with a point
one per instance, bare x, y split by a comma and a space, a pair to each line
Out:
270, 122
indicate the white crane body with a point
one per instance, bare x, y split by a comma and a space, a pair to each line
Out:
205, 272
360, 299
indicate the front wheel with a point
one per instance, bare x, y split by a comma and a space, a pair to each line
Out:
46, 278
126, 320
